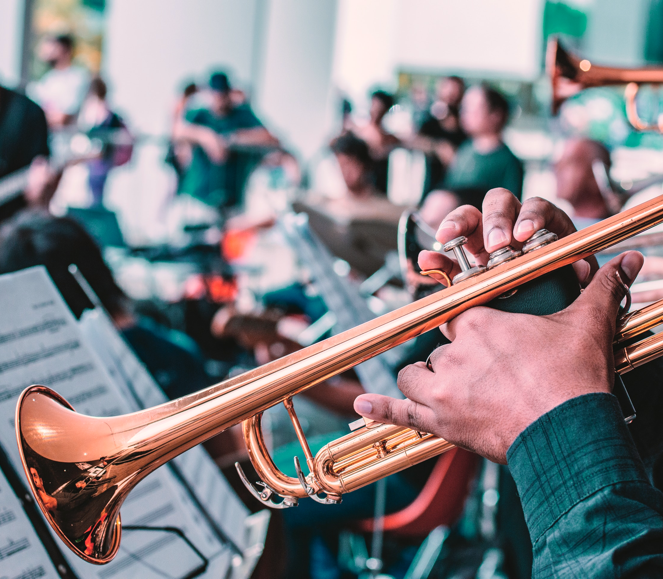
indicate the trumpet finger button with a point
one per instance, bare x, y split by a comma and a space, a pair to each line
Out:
541, 238
468, 273
466, 270
502, 256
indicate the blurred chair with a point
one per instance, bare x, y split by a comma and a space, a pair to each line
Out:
440, 502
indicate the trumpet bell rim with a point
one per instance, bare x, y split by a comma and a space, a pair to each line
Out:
114, 542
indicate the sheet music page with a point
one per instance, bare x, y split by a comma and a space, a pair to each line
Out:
22, 556
41, 343
200, 471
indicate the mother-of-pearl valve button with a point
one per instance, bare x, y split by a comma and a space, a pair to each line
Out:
502, 256
467, 271
539, 239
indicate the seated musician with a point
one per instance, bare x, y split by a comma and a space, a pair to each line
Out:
35, 238
362, 200
484, 161
441, 130
534, 392
380, 141
576, 183
24, 143
212, 176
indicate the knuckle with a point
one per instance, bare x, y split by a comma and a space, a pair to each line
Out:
471, 320
611, 284
536, 206
412, 414
403, 377
498, 195
495, 215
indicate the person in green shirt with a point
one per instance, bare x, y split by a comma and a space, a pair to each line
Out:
535, 393
483, 162
218, 134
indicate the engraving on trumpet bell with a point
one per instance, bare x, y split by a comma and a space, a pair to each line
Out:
540, 239
502, 256
467, 271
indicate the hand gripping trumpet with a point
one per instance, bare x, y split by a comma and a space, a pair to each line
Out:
52, 437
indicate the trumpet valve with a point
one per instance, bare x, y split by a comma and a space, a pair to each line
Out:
467, 270
381, 448
502, 256
540, 239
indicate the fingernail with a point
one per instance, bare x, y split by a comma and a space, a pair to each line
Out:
583, 270
496, 237
524, 227
631, 265
449, 225
363, 406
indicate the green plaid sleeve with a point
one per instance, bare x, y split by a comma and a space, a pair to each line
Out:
589, 506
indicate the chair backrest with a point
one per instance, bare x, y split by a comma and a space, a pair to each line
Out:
441, 500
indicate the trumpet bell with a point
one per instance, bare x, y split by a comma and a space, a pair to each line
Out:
569, 74
75, 471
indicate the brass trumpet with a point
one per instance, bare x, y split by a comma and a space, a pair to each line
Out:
52, 438
570, 74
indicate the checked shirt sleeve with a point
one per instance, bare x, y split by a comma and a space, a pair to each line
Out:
589, 506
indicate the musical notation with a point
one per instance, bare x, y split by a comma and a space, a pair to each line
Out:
6, 516
226, 511
22, 556
13, 547
32, 573
41, 342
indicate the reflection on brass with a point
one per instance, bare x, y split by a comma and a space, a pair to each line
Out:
569, 75
442, 274
80, 468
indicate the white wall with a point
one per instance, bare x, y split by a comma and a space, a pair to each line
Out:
501, 38
616, 32
11, 37
152, 46
376, 38
294, 91
364, 48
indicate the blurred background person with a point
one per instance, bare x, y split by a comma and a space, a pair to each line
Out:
179, 152
215, 133
61, 90
98, 121
36, 238
576, 183
23, 144
362, 198
380, 141
484, 161
441, 130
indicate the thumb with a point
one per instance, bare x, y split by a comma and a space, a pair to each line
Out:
608, 287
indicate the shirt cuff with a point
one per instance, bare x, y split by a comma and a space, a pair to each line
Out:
570, 453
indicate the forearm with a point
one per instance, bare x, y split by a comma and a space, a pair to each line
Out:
188, 132
259, 137
588, 503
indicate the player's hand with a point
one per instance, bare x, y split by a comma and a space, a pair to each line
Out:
43, 181
503, 221
503, 371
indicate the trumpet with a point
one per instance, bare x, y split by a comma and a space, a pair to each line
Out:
53, 439
570, 74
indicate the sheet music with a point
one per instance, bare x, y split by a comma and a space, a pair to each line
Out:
40, 342
206, 480
22, 556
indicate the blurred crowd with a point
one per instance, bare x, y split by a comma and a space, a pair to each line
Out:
223, 322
